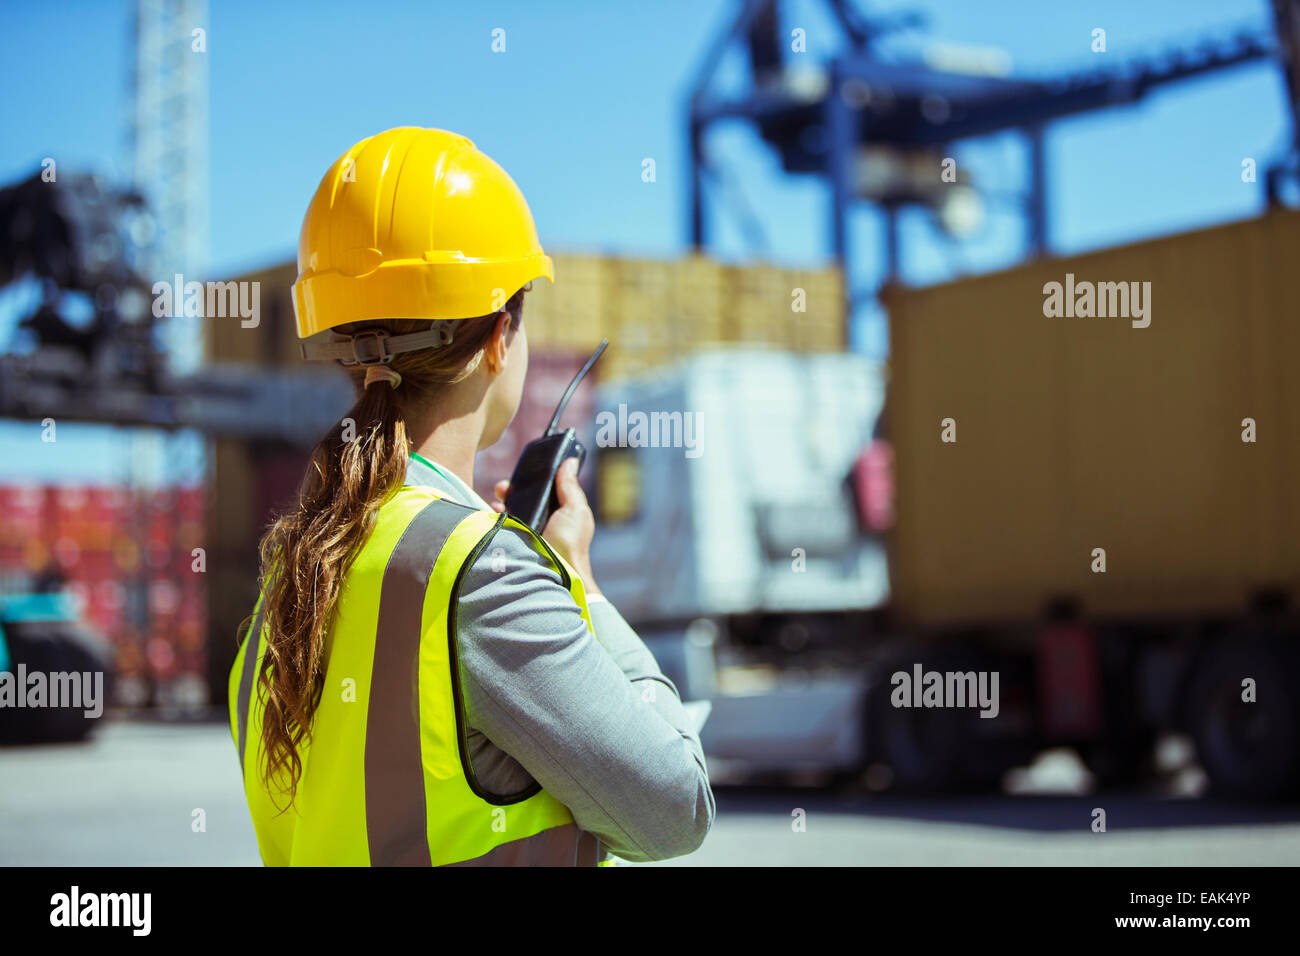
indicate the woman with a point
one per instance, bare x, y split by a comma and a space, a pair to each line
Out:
430, 682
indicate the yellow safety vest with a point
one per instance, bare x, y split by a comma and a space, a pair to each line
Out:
386, 776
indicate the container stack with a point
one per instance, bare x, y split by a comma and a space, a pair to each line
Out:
655, 311
128, 561
568, 315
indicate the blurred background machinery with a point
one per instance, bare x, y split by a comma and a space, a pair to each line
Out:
43, 633
880, 130
80, 261
825, 537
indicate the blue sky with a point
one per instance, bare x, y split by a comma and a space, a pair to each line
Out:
586, 90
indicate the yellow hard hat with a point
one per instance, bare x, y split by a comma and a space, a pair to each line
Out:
413, 224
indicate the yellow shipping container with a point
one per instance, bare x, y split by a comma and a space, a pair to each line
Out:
699, 301
758, 304
1078, 438
660, 310
274, 339
641, 293
569, 314
820, 326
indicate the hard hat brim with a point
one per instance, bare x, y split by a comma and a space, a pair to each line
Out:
448, 287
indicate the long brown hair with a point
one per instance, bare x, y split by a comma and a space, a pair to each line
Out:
307, 550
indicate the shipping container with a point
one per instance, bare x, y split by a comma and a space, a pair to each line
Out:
272, 340
819, 325
124, 557
1096, 462
759, 302
568, 313
1078, 435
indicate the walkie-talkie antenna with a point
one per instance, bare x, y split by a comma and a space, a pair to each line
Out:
559, 409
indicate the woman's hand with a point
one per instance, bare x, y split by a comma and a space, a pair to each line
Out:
571, 526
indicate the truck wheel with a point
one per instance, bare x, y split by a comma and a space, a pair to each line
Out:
922, 747
1248, 749
1125, 762
932, 749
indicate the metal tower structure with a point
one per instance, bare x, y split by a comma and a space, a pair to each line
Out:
169, 139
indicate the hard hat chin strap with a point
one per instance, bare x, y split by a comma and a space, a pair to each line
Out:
377, 347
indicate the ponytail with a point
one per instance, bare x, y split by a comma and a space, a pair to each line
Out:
307, 551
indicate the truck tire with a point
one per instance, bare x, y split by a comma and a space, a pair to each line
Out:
932, 750
1249, 750
1122, 762
1123, 755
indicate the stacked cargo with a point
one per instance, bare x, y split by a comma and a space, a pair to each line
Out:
653, 311
127, 562
819, 325
642, 324
98, 577
799, 309
567, 315
661, 311
177, 596
699, 301
22, 509
87, 529
759, 304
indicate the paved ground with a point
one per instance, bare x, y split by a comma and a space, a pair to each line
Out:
129, 797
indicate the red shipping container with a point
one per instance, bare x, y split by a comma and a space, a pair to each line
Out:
111, 503
549, 374
104, 619
191, 597
184, 561
22, 511
191, 503
189, 535
109, 594
160, 654
99, 565
72, 501
164, 598
189, 636
130, 660
159, 556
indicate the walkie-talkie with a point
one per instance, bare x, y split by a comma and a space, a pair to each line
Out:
532, 496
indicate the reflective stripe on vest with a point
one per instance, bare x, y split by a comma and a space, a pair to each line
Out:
386, 777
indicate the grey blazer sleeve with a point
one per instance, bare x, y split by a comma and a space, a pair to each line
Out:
594, 721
